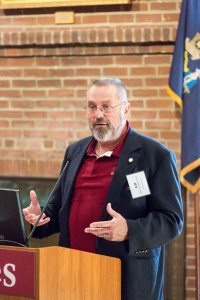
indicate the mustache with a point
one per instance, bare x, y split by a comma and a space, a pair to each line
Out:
99, 121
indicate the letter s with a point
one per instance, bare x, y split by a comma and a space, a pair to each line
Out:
9, 275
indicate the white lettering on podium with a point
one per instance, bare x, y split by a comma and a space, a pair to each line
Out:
10, 279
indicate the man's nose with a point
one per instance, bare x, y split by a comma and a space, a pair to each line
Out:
99, 111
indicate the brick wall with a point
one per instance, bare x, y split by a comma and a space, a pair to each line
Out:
45, 69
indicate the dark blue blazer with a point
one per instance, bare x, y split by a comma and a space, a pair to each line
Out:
153, 220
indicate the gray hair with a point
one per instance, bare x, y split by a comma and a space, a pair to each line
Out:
122, 93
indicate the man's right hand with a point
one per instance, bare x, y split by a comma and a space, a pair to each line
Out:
33, 211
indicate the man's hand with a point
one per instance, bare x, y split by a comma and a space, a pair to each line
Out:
114, 230
33, 211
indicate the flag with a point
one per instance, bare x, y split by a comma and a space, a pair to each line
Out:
184, 88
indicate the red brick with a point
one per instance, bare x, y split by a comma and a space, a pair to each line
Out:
47, 61
23, 83
35, 134
10, 93
61, 72
4, 123
9, 143
143, 114
159, 104
26, 21
161, 6
88, 72
4, 104
35, 72
156, 82
170, 135
142, 71
158, 124
157, 59
97, 60
125, 18
4, 83
35, 114
10, 73
18, 62
10, 133
150, 18
115, 72
48, 83
48, 144
22, 104
94, 19
140, 6
61, 115
144, 93
12, 167
170, 17
129, 60
11, 114
33, 94
75, 83
59, 93
45, 20
23, 124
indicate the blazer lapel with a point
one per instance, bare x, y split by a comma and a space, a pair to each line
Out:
78, 156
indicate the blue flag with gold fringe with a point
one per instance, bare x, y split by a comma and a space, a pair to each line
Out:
184, 87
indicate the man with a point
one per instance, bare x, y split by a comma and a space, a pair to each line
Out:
118, 195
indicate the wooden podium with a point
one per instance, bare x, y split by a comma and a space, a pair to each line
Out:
57, 273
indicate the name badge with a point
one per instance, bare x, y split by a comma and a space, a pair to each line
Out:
138, 184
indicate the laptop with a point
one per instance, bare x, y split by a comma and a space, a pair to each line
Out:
12, 225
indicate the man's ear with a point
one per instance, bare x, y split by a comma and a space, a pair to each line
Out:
126, 109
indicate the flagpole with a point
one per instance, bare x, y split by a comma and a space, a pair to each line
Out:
197, 220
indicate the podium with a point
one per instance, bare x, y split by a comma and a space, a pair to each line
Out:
57, 273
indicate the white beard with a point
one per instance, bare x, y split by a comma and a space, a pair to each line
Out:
109, 133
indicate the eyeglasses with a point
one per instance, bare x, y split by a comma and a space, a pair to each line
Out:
105, 108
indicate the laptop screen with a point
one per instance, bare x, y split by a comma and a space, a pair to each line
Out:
12, 225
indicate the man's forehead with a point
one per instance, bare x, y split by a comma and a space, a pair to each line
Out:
104, 93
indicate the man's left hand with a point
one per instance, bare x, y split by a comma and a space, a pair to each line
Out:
115, 230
